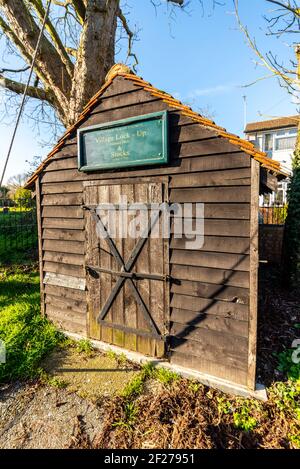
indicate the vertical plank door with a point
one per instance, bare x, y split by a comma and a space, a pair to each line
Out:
137, 317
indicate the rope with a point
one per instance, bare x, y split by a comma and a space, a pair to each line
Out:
25, 91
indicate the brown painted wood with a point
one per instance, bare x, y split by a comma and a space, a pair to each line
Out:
118, 310
268, 182
119, 87
63, 163
62, 188
64, 235
209, 321
212, 282
214, 346
63, 292
212, 146
204, 365
64, 258
66, 303
206, 274
64, 269
231, 177
40, 249
254, 259
180, 328
230, 228
92, 256
64, 223
223, 292
130, 306
211, 194
63, 212
211, 259
69, 247
235, 211
123, 100
62, 199
209, 306
66, 320
99, 116
215, 244
188, 133
177, 166
148, 259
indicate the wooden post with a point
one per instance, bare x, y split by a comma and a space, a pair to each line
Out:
40, 242
254, 262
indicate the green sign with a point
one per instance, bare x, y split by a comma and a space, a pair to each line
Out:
137, 141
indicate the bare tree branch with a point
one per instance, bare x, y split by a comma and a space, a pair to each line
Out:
72, 51
53, 71
286, 6
80, 9
40, 10
130, 35
179, 2
264, 60
32, 91
14, 70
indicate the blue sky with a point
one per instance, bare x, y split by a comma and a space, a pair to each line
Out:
200, 58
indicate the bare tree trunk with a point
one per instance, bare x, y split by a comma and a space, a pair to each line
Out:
65, 85
95, 55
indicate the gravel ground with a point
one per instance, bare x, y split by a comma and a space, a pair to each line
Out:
37, 416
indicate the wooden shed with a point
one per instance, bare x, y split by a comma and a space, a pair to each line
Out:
197, 308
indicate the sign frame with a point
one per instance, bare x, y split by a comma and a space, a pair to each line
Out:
163, 115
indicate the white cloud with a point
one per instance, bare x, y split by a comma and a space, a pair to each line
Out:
218, 89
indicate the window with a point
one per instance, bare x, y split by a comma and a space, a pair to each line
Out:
286, 139
268, 142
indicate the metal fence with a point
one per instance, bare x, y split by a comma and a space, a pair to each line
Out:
272, 215
18, 226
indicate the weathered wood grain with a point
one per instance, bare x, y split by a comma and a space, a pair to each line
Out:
210, 306
60, 280
220, 323
206, 274
63, 235
226, 372
216, 260
69, 247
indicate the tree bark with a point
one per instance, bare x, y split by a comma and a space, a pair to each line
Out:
48, 64
95, 54
68, 86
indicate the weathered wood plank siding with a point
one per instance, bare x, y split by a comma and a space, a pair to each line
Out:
209, 299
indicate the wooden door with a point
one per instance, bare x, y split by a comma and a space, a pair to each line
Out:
127, 278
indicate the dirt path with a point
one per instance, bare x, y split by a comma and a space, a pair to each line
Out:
36, 416
43, 416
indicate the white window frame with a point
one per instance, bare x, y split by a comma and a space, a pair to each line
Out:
284, 133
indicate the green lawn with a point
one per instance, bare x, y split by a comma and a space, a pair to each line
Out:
27, 336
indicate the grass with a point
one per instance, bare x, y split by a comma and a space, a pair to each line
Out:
18, 237
84, 346
27, 336
172, 412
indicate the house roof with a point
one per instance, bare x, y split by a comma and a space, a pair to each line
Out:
123, 71
278, 123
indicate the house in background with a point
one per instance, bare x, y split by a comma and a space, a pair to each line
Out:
277, 137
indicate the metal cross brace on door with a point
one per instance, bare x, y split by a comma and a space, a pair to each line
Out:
125, 272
